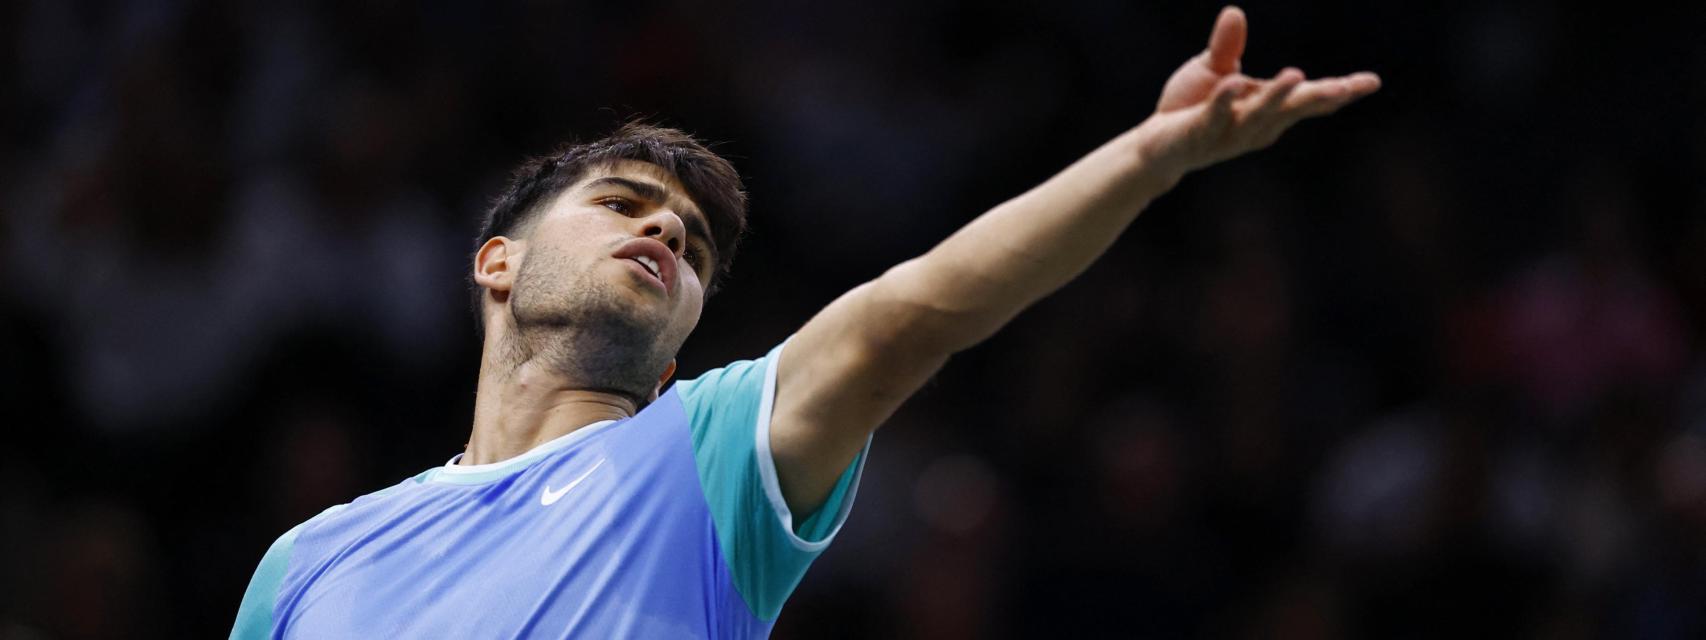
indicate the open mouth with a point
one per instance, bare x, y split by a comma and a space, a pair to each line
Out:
650, 265
652, 257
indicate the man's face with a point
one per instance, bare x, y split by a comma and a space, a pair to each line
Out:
612, 276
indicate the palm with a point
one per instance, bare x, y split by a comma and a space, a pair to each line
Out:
1209, 111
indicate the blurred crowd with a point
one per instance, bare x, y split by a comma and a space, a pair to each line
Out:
1429, 368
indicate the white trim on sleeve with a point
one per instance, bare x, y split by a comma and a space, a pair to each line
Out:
767, 467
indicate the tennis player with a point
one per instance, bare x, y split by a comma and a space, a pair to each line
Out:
594, 498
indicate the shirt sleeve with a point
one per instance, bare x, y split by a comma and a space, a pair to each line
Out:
766, 546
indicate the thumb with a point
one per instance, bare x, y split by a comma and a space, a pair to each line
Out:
1226, 43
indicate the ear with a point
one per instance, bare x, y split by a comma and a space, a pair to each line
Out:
668, 372
496, 264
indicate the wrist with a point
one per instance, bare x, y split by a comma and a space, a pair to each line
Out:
1151, 164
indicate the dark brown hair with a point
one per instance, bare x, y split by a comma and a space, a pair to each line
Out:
710, 180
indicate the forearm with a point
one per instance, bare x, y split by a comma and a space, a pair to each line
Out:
975, 281
854, 363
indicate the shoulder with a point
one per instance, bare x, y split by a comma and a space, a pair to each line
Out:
748, 376
363, 503
732, 395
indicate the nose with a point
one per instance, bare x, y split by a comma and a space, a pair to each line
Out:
666, 227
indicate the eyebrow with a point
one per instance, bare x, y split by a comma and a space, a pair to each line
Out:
695, 222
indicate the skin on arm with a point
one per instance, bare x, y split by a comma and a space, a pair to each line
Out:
852, 365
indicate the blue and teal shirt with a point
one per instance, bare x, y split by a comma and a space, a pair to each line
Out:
669, 524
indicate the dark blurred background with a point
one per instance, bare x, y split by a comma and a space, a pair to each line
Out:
1429, 368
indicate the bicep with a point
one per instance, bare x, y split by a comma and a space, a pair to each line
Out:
843, 374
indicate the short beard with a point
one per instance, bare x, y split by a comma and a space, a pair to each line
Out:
582, 331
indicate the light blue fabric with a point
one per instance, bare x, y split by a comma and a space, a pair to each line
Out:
608, 531
729, 409
254, 616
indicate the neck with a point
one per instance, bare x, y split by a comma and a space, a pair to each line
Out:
521, 405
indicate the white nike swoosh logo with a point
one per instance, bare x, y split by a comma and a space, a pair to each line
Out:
550, 497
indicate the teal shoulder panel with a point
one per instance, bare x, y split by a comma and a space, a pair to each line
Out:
255, 615
766, 548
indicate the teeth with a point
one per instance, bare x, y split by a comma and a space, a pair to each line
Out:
650, 264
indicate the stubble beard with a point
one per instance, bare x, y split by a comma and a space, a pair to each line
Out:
571, 323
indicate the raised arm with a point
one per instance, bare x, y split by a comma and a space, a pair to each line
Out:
851, 366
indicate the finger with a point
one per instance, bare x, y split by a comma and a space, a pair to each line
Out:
1226, 43
1324, 96
1362, 83
1227, 92
1273, 96
1251, 85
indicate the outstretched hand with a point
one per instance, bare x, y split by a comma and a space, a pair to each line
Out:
1210, 112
